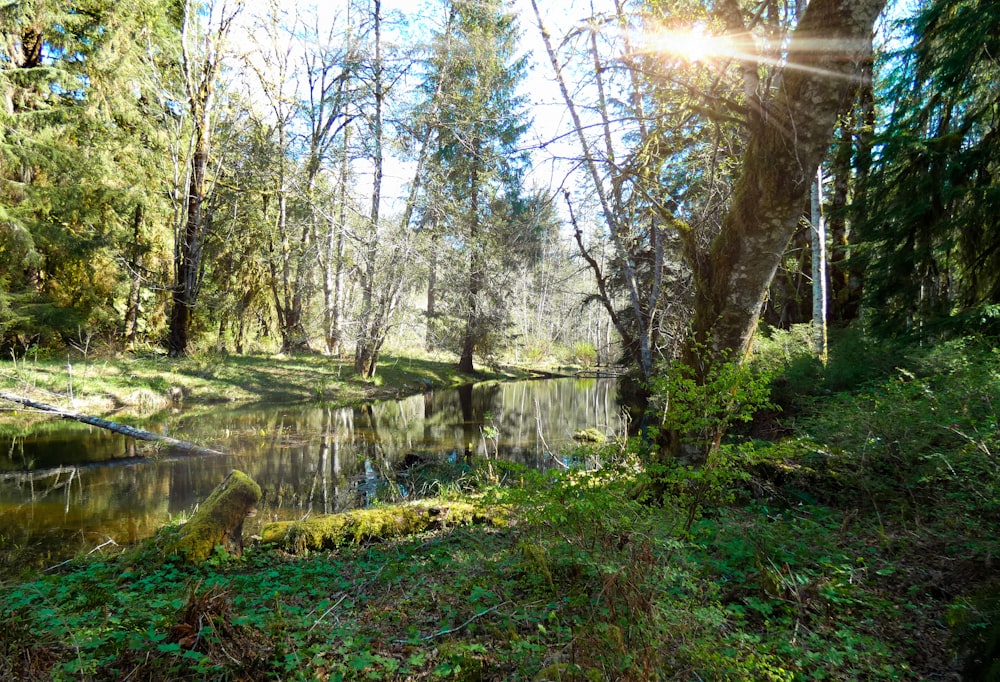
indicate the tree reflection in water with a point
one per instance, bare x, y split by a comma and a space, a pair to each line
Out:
74, 485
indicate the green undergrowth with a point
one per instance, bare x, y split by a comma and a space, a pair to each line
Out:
862, 546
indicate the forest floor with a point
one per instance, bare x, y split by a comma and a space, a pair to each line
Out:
858, 541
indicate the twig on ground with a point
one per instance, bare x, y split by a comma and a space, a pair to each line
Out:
449, 631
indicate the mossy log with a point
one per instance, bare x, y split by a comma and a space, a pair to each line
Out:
218, 520
590, 435
328, 531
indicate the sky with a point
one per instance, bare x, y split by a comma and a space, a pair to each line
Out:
547, 108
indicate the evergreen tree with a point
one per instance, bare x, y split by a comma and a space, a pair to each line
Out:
479, 118
78, 146
204, 36
931, 235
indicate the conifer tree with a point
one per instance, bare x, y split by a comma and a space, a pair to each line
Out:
479, 118
931, 235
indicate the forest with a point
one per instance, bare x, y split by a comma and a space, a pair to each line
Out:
776, 220
238, 178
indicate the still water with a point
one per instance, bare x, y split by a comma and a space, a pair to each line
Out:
72, 487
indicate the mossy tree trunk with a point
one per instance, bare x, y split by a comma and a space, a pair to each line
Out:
328, 531
219, 520
825, 55
787, 142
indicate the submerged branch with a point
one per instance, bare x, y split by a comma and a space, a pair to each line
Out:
123, 429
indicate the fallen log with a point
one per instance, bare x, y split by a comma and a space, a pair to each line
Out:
328, 531
123, 429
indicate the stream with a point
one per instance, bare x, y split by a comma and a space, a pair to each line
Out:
69, 487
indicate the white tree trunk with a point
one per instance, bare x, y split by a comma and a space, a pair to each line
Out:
818, 239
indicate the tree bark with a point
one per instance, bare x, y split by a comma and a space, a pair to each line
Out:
199, 85
188, 257
472, 323
365, 353
135, 251
430, 336
837, 224
818, 261
218, 520
611, 207
826, 53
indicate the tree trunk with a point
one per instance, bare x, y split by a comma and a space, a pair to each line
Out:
364, 351
818, 243
864, 135
430, 336
218, 520
123, 429
639, 344
135, 279
465, 363
199, 84
189, 256
840, 308
333, 276
779, 165
326, 532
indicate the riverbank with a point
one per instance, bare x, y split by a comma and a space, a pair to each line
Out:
137, 388
860, 544
585, 583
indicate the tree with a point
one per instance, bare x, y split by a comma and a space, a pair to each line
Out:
370, 325
930, 235
386, 246
78, 149
786, 146
657, 166
203, 50
479, 120
290, 245
329, 65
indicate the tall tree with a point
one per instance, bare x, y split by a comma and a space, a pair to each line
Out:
77, 149
656, 163
930, 233
272, 62
825, 55
367, 342
480, 118
329, 63
204, 36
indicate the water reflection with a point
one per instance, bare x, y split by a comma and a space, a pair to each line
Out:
78, 485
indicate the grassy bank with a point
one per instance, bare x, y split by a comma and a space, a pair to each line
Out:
140, 386
861, 544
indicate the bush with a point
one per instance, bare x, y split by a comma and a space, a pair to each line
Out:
921, 434
584, 354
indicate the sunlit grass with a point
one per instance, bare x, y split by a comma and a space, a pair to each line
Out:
141, 386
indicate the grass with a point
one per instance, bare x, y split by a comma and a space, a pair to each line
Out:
141, 386
860, 545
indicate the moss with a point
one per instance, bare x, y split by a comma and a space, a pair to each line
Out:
219, 519
590, 435
567, 672
359, 526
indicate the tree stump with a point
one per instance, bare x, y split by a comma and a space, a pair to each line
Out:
218, 520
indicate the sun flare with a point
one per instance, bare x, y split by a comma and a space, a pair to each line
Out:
692, 46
